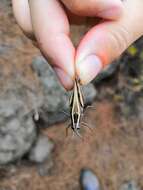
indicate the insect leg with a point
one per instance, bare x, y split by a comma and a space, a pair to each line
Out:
69, 125
86, 125
77, 133
89, 106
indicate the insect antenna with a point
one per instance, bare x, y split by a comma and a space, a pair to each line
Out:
67, 114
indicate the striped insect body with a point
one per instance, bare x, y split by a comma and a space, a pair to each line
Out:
76, 108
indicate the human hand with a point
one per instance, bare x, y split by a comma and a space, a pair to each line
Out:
47, 22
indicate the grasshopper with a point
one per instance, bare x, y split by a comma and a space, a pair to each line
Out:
76, 108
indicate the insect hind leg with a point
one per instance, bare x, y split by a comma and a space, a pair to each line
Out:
77, 133
69, 125
86, 125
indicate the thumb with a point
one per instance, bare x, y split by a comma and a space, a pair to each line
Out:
106, 41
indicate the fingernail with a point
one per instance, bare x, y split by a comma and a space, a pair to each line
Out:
64, 78
88, 68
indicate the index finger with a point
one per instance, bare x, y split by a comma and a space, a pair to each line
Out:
51, 29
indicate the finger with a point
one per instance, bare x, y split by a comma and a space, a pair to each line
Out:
51, 29
106, 41
22, 14
110, 9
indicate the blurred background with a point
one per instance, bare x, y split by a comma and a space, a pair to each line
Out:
35, 153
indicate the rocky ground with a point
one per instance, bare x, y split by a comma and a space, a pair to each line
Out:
113, 150
37, 155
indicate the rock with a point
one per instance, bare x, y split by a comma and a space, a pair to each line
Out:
89, 93
130, 185
56, 99
107, 72
17, 130
5, 3
88, 180
46, 167
130, 81
41, 151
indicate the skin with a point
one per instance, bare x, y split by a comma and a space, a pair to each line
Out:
48, 23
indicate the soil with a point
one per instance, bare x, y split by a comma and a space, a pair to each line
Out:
113, 150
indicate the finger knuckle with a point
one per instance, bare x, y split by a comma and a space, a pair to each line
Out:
77, 7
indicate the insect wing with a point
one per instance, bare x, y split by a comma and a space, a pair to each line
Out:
80, 95
71, 100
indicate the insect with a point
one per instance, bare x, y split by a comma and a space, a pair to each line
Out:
76, 108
